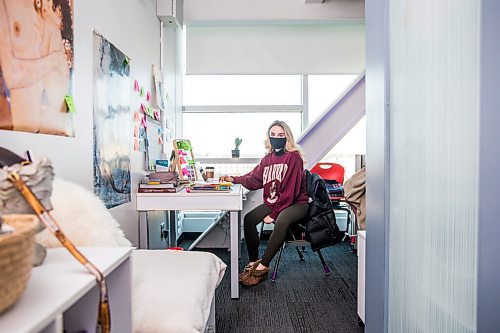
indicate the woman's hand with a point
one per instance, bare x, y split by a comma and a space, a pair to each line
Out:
268, 220
226, 178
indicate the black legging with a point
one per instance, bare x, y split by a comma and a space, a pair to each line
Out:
286, 218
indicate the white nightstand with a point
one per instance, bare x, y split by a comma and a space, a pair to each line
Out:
62, 293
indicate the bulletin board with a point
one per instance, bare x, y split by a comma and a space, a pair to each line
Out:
149, 134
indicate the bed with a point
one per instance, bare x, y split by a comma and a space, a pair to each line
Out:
174, 291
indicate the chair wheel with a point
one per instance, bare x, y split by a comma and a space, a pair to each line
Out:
328, 273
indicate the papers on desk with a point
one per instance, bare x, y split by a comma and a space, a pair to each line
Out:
209, 187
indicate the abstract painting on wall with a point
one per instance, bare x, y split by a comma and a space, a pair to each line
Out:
36, 66
112, 123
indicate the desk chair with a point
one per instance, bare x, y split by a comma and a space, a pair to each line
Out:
333, 175
296, 235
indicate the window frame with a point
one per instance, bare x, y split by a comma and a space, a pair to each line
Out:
293, 108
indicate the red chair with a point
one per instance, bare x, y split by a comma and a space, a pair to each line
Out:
330, 171
333, 175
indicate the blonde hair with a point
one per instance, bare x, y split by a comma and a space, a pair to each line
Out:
290, 145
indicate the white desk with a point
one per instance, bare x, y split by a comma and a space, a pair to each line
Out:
62, 290
230, 201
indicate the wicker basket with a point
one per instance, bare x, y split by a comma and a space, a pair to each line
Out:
16, 252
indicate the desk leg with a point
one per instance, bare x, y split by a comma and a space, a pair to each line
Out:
239, 234
235, 240
172, 228
142, 215
139, 229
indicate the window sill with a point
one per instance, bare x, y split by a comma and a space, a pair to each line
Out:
227, 160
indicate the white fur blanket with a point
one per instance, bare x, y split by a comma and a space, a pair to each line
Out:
82, 217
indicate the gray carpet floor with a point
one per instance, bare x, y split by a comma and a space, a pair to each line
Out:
301, 300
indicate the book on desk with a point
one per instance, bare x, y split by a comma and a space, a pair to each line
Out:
158, 185
146, 188
209, 187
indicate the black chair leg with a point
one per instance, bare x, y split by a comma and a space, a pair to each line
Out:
325, 266
276, 265
261, 230
301, 256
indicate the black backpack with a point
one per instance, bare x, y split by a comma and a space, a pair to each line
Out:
321, 226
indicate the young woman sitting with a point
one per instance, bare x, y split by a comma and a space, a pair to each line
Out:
281, 174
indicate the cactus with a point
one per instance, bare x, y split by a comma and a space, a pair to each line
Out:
237, 143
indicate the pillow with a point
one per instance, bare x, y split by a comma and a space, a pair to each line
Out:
83, 218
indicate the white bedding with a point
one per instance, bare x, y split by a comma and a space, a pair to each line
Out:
172, 291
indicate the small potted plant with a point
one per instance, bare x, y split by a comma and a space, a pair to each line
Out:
235, 153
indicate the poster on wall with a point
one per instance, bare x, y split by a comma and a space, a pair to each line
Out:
36, 66
112, 123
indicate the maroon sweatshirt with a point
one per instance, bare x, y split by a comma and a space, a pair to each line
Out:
282, 178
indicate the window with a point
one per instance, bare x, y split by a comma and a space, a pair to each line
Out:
242, 90
220, 108
212, 134
324, 90
353, 143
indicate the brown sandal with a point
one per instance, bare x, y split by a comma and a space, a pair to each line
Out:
255, 276
247, 269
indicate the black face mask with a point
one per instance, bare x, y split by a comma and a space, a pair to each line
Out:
278, 144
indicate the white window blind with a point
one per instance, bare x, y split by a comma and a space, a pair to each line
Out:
336, 48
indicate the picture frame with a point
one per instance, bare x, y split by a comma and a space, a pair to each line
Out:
184, 160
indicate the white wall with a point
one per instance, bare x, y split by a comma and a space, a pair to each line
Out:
257, 10
132, 27
173, 55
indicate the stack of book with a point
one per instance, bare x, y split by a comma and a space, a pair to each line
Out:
153, 187
209, 187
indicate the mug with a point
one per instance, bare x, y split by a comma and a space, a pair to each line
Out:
210, 173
